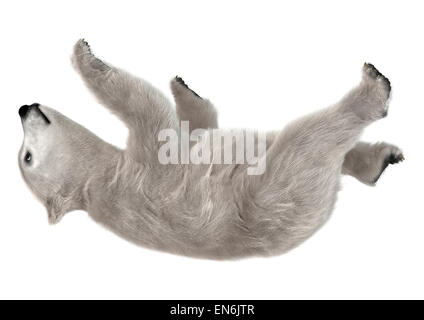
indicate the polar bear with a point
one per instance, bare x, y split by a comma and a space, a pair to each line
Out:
204, 211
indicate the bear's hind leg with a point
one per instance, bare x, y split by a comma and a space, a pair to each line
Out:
303, 164
366, 162
327, 135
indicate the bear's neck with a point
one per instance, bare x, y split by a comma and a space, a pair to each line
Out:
99, 164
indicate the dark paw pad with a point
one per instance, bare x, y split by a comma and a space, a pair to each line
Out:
182, 83
393, 158
373, 73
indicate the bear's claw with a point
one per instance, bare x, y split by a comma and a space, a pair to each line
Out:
373, 73
394, 157
180, 81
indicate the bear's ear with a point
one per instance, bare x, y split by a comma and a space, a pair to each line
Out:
57, 206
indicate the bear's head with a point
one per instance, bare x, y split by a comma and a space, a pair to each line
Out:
56, 158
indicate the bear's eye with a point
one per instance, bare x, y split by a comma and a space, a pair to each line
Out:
28, 157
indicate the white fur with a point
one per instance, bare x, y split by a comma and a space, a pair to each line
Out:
211, 211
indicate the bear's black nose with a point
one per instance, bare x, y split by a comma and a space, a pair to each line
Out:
23, 111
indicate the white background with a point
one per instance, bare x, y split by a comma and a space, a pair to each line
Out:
262, 64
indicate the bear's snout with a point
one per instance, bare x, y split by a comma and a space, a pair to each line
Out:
23, 111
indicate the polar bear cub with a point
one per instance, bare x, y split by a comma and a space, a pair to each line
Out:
214, 211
